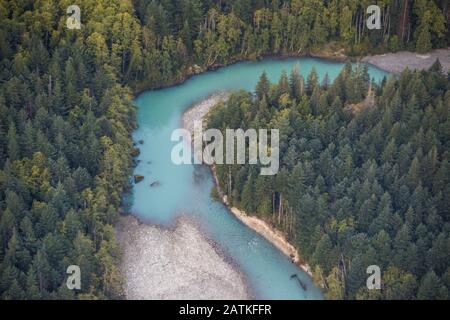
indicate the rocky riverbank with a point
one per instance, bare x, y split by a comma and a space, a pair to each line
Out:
397, 62
197, 112
174, 264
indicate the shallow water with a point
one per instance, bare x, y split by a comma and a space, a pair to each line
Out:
186, 188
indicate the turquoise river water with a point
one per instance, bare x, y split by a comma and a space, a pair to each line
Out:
186, 189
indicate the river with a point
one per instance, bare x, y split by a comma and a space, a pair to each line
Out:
186, 189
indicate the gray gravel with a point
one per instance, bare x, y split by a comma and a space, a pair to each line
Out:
199, 110
174, 264
397, 62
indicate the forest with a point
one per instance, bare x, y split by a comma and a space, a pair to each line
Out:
67, 117
364, 173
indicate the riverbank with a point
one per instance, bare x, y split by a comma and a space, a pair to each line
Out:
174, 264
399, 61
197, 112
273, 235
389, 62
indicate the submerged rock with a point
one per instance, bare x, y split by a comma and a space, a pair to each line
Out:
155, 184
141, 141
138, 178
198, 176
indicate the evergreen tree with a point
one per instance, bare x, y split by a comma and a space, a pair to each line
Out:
431, 287
262, 87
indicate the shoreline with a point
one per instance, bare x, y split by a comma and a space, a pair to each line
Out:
270, 233
197, 112
396, 62
194, 69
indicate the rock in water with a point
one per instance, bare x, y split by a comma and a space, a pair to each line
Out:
135, 152
155, 184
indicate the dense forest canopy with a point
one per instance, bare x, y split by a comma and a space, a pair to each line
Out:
67, 116
364, 176
154, 43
